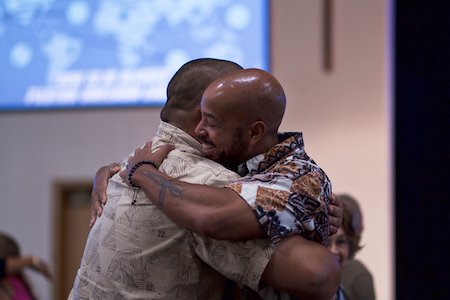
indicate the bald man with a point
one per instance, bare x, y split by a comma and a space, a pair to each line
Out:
282, 187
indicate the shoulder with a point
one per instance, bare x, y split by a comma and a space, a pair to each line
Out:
193, 168
354, 270
355, 266
358, 281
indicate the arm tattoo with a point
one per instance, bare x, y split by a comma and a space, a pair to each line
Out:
166, 185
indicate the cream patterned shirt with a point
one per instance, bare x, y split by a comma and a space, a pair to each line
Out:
135, 252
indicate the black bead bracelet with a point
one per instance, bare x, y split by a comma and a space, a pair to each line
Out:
135, 167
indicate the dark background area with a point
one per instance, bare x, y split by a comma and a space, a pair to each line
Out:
422, 100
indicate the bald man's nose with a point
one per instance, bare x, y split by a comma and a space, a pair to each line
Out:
199, 130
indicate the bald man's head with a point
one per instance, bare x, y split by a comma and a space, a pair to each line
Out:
243, 108
252, 93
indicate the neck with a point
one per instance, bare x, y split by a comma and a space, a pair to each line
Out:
263, 146
268, 143
186, 121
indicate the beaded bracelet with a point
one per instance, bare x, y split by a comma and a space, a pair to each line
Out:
135, 167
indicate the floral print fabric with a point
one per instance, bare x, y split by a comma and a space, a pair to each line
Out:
288, 192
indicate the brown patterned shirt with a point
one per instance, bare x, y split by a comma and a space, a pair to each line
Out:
288, 192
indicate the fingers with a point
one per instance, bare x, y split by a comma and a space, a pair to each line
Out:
93, 218
98, 195
101, 181
96, 208
147, 146
160, 154
113, 169
334, 199
335, 212
334, 225
124, 175
166, 148
335, 208
97, 204
145, 153
98, 199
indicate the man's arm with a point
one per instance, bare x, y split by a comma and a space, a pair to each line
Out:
210, 218
218, 213
303, 268
300, 267
98, 198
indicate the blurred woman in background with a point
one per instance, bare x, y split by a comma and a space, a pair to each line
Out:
13, 281
356, 280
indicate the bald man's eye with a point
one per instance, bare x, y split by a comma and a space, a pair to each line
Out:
210, 124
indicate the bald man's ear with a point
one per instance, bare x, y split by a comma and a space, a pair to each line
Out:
257, 131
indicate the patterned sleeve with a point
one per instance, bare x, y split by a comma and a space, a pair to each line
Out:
285, 205
243, 261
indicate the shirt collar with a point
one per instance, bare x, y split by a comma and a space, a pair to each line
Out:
168, 133
288, 142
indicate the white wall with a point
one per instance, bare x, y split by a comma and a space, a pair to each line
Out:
39, 148
343, 114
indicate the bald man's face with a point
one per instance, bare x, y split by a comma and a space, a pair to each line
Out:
222, 131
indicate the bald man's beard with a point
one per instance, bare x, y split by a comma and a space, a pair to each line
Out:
233, 154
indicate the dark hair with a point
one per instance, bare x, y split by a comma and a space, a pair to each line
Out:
350, 231
352, 205
10, 248
186, 87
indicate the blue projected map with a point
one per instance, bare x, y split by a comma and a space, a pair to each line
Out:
60, 53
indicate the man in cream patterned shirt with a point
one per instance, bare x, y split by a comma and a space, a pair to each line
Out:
135, 252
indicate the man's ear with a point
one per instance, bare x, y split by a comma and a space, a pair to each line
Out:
257, 131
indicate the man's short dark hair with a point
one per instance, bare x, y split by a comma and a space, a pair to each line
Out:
186, 87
